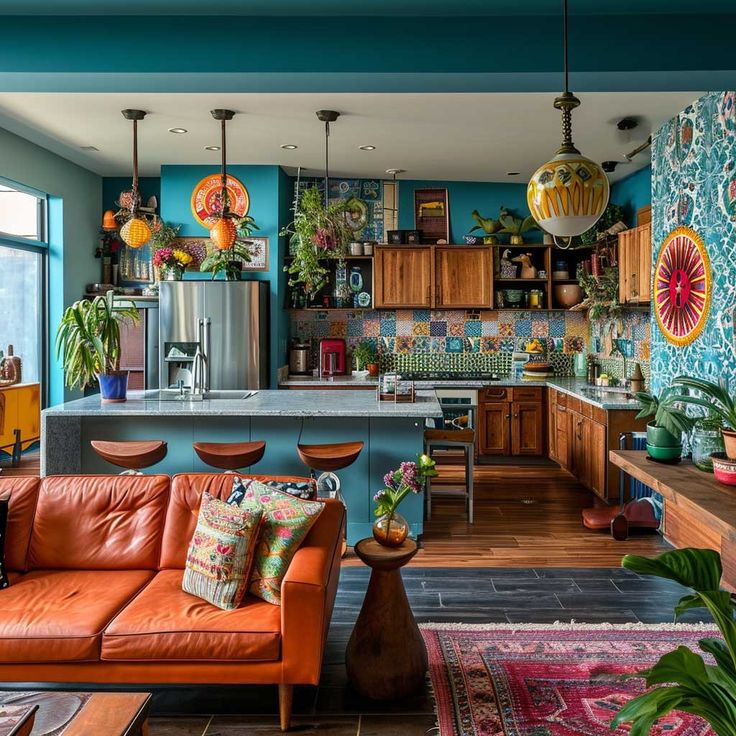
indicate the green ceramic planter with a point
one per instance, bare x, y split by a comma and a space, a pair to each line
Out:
665, 454
660, 437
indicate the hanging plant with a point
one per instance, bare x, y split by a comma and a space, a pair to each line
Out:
318, 233
601, 295
230, 261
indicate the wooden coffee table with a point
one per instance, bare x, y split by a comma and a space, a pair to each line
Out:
114, 714
386, 657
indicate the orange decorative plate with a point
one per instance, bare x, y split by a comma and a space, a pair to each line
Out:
206, 199
682, 286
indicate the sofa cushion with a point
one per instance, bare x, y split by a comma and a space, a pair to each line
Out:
4, 501
106, 522
165, 623
181, 515
221, 553
59, 616
23, 494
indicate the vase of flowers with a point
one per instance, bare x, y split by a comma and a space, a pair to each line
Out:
391, 528
172, 262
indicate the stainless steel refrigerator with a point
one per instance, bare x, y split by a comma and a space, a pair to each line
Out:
227, 320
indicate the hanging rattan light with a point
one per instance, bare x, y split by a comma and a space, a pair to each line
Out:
568, 194
223, 232
136, 231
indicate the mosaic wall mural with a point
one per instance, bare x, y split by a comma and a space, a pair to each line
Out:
694, 184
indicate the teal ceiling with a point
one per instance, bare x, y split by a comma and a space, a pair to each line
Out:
419, 8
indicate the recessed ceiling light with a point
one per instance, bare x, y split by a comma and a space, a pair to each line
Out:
289, 146
89, 148
512, 173
212, 148
178, 131
367, 148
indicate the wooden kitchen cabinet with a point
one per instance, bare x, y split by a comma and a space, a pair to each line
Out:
635, 265
463, 278
527, 428
495, 428
447, 277
402, 277
598, 457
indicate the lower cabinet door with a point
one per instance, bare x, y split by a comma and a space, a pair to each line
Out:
495, 428
564, 433
598, 461
527, 428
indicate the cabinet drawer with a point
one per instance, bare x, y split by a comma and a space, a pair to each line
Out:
586, 409
600, 415
574, 404
498, 393
528, 394
561, 399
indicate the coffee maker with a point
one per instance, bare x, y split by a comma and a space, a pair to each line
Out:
331, 357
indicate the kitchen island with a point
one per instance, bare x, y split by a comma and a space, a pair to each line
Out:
392, 432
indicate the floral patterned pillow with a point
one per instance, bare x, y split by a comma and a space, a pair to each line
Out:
286, 521
222, 552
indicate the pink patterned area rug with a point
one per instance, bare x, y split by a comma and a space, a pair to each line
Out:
548, 680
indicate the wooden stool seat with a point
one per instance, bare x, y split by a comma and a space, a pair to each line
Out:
230, 455
131, 454
329, 457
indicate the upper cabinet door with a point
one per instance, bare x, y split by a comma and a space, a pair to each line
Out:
644, 233
463, 277
403, 277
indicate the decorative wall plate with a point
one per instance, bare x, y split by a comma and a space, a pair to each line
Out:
206, 199
682, 286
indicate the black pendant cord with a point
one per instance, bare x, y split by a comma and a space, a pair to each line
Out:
223, 170
564, 48
134, 199
327, 163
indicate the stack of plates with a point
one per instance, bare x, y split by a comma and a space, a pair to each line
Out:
537, 367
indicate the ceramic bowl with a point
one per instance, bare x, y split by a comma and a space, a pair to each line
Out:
568, 295
560, 275
666, 454
724, 469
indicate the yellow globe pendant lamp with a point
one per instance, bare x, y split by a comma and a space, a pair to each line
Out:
223, 233
135, 232
568, 194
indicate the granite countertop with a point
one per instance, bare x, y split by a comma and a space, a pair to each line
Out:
610, 400
312, 403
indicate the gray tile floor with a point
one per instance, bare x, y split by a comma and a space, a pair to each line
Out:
436, 594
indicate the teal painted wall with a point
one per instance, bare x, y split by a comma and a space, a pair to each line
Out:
464, 197
148, 186
268, 189
74, 216
633, 192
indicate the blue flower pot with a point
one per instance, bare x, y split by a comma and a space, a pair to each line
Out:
113, 386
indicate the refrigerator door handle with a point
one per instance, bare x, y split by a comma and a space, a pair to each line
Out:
207, 342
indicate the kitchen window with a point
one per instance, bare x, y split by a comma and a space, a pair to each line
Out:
23, 260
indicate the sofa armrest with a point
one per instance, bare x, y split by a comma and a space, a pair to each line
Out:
308, 595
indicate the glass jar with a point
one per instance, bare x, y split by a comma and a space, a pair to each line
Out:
391, 530
704, 441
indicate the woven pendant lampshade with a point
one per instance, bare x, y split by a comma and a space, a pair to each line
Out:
568, 194
223, 233
136, 231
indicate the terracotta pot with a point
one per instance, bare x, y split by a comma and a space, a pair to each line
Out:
729, 441
372, 369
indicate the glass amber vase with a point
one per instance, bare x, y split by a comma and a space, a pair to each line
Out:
391, 529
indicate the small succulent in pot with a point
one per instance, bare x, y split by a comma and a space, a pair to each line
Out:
366, 357
664, 433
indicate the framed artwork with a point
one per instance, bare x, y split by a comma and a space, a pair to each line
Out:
259, 255
206, 203
197, 247
682, 286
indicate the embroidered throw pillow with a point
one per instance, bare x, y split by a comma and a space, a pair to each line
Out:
222, 552
286, 521
306, 490
4, 502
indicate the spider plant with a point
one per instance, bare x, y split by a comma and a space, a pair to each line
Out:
686, 682
88, 338
716, 399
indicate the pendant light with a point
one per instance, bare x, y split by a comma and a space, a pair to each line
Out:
136, 231
568, 194
224, 232
327, 117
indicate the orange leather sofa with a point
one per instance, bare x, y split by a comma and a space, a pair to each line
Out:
96, 565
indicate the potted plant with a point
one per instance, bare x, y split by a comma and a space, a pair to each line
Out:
516, 227
88, 342
488, 225
684, 681
171, 262
391, 528
714, 397
228, 263
664, 433
317, 233
366, 357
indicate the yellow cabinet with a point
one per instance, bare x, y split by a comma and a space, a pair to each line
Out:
20, 408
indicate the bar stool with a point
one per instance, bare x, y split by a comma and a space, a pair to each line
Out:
465, 439
328, 458
230, 456
133, 455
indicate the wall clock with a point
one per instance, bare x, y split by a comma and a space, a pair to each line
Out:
682, 286
206, 199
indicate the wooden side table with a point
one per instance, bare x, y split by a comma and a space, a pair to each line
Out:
386, 657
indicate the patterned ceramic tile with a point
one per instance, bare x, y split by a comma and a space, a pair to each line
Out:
437, 344
489, 328
404, 315
540, 328
456, 329
321, 328
455, 345
404, 327
338, 329
489, 344
523, 328
371, 329
473, 328
420, 328
472, 344
438, 329
421, 315
388, 327
506, 329
388, 344
574, 344
403, 344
